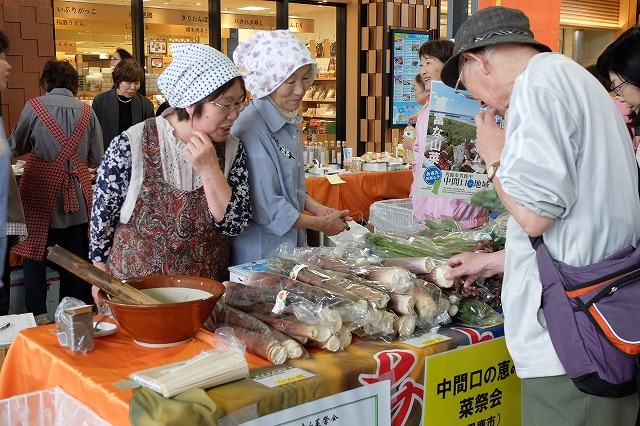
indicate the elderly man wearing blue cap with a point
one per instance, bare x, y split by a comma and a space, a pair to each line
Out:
553, 166
172, 190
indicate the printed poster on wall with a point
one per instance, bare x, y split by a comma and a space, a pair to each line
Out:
405, 67
450, 165
472, 386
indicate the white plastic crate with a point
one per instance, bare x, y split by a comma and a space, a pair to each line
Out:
49, 407
393, 215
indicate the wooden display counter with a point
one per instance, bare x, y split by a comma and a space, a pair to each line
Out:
36, 361
360, 190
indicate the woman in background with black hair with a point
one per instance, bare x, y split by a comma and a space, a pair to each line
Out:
621, 62
122, 106
119, 55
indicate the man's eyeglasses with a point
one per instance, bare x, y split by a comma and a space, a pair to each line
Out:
461, 92
227, 108
616, 89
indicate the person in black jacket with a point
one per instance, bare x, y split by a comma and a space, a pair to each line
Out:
122, 107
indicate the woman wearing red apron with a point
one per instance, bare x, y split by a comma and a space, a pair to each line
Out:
63, 139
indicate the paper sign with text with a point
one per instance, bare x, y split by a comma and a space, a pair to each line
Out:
365, 405
472, 386
449, 163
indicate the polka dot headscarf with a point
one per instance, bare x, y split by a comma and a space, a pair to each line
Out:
196, 71
268, 58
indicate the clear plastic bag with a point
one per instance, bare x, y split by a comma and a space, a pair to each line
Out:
74, 321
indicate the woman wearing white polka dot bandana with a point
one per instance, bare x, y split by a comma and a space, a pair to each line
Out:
173, 190
278, 69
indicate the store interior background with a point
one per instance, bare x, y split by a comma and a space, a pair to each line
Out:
94, 29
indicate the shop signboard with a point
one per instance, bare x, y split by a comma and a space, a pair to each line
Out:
472, 386
449, 163
77, 14
405, 65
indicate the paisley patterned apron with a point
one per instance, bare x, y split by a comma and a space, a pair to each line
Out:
170, 231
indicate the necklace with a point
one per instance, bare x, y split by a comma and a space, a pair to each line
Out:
124, 102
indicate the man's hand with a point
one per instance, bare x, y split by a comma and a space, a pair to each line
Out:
472, 266
490, 138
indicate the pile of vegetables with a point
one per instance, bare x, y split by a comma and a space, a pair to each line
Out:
385, 286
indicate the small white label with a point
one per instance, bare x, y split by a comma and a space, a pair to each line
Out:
63, 339
282, 377
425, 340
296, 270
281, 302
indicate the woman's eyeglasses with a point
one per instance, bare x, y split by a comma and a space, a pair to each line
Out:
616, 89
227, 108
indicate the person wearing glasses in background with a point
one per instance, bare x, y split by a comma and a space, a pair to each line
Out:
172, 191
122, 106
278, 70
553, 165
119, 55
621, 62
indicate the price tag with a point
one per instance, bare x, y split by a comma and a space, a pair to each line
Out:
282, 377
281, 302
425, 340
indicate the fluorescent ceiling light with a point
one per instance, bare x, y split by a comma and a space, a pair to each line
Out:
253, 8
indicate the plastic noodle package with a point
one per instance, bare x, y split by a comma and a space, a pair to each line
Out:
74, 321
209, 368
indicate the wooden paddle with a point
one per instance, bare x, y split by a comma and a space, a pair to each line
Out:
85, 270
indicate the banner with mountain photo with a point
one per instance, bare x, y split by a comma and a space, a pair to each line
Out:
450, 166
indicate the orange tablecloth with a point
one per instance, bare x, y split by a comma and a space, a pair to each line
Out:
36, 361
360, 190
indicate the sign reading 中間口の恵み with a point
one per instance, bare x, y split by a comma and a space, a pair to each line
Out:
472, 386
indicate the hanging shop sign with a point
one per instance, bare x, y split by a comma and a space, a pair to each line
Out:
69, 14
66, 46
256, 22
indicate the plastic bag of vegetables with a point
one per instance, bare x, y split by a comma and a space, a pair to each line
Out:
475, 312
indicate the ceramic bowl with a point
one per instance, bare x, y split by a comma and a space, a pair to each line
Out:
187, 302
